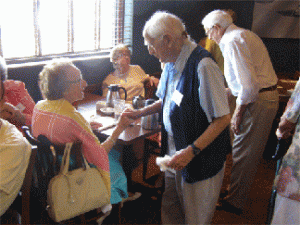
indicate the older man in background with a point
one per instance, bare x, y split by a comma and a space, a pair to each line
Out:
195, 115
252, 81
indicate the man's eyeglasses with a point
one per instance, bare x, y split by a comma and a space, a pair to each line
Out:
74, 81
208, 31
154, 43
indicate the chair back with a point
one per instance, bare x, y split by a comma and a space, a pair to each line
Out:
48, 157
26, 187
150, 90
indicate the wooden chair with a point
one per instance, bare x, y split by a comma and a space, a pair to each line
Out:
94, 89
26, 188
47, 165
150, 90
151, 148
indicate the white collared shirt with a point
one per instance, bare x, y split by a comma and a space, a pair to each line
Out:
247, 65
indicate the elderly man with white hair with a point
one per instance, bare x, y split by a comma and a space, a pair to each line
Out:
252, 83
195, 118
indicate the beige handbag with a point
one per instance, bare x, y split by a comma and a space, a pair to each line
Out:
71, 193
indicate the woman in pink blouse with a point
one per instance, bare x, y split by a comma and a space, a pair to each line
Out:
16, 105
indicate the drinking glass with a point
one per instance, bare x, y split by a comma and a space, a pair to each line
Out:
119, 106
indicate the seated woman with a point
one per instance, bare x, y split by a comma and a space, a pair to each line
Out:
14, 158
16, 105
62, 84
131, 77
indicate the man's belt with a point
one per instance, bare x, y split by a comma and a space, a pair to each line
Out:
272, 88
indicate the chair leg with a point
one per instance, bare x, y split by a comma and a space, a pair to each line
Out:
271, 206
149, 149
119, 213
82, 219
146, 158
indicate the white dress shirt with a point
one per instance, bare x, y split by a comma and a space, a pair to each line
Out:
247, 65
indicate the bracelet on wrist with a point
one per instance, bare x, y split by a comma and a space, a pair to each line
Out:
114, 142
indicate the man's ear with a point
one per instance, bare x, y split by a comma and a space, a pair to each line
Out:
217, 27
168, 39
220, 30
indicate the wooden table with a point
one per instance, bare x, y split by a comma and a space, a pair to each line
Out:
131, 140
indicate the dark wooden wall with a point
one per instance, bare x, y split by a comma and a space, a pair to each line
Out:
284, 53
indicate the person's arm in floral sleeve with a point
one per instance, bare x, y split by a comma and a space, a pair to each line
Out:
290, 116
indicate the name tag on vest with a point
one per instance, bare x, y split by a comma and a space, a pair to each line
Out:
177, 97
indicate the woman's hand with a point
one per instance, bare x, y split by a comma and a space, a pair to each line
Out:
11, 113
95, 125
154, 81
4, 114
285, 128
7, 111
124, 121
151, 81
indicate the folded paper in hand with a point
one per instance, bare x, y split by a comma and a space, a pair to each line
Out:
162, 163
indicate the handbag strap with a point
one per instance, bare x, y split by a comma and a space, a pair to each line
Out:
87, 166
64, 167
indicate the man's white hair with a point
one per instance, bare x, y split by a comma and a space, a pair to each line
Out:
217, 17
162, 23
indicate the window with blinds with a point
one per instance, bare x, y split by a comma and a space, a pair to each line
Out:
39, 28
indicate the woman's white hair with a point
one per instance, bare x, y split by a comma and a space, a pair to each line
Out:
217, 17
115, 51
52, 79
161, 23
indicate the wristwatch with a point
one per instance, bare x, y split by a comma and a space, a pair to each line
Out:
196, 150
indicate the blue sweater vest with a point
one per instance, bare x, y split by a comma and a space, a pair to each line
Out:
189, 121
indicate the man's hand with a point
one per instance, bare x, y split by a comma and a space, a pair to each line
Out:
235, 122
237, 118
131, 113
124, 121
181, 158
229, 94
